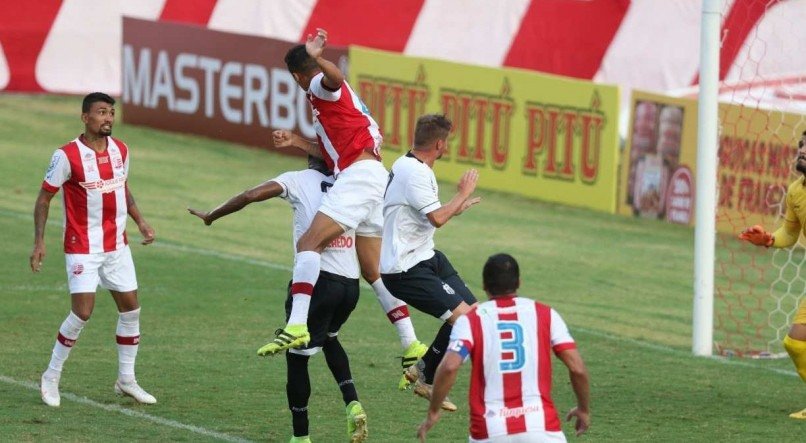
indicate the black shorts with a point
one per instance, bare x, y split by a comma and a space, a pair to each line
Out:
334, 298
431, 286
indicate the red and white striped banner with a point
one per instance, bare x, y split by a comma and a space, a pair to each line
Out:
73, 46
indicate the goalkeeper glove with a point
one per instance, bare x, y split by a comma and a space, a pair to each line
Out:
757, 236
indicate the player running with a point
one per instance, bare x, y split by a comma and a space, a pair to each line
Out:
93, 170
509, 340
349, 141
786, 236
410, 266
334, 296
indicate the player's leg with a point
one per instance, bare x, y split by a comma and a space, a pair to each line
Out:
82, 281
307, 264
368, 249
795, 345
298, 391
344, 296
118, 275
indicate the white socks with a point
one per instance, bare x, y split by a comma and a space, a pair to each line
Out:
128, 338
68, 334
398, 313
307, 265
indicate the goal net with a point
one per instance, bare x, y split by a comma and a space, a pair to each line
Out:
762, 113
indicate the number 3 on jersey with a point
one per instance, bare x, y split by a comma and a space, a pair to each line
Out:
513, 354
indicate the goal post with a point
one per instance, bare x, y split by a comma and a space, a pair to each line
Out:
705, 224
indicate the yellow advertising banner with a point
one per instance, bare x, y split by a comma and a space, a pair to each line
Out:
756, 153
537, 135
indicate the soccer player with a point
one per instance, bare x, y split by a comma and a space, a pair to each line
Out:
93, 171
411, 268
509, 340
786, 236
334, 296
349, 141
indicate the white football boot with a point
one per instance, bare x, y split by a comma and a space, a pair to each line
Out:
49, 388
133, 390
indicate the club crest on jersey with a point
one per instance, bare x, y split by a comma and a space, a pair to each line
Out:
117, 163
105, 185
448, 288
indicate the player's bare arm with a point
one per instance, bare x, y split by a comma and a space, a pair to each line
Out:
444, 379
287, 139
460, 202
315, 46
145, 229
581, 385
261, 192
41, 210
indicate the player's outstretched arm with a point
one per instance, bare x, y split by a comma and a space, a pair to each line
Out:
41, 210
287, 139
134, 212
444, 379
261, 192
460, 202
581, 385
315, 46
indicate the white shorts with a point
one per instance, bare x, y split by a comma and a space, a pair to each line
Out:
356, 199
525, 437
113, 270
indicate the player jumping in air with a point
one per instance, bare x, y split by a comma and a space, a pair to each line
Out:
334, 296
349, 141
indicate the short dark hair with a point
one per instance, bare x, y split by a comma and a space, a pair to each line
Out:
430, 128
93, 97
298, 60
318, 164
501, 275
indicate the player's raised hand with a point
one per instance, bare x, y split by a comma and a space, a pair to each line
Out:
37, 256
467, 184
757, 236
583, 420
205, 216
283, 139
315, 45
148, 233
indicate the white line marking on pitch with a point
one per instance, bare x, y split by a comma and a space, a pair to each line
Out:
272, 265
130, 412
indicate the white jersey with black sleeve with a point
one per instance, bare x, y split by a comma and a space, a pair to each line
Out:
408, 235
304, 191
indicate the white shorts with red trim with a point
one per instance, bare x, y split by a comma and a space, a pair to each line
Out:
525, 437
356, 199
112, 270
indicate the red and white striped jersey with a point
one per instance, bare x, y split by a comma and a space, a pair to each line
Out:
509, 341
343, 125
94, 196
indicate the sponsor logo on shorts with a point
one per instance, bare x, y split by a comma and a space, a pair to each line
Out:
517, 412
105, 185
448, 288
77, 269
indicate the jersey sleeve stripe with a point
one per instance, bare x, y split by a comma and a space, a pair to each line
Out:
563, 347
423, 209
50, 188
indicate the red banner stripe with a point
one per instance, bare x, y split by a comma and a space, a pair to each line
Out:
132, 341
566, 38
302, 288
197, 12
24, 26
365, 22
